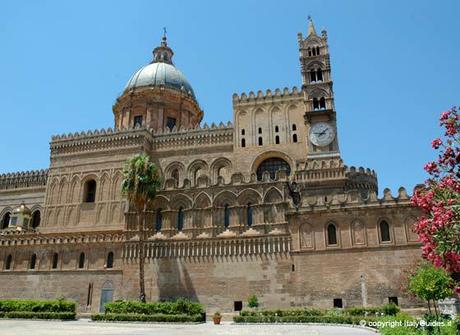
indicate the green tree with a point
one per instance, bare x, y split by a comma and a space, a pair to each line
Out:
430, 284
253, 302
140, 184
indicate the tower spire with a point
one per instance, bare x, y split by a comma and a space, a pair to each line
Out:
311, 26
163, 39
163, 53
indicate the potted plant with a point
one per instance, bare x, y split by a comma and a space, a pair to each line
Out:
216, 318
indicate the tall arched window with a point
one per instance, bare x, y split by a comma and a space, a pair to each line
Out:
33, 260
5, 220
385, 231
331, 234
261, 142
109, 263
294, 127
277, 139
226, 216
322, 103
277, 129
294, 138
55, 260
36, 218
249, 214
243, 143
90, 191
319, 75
81, 261
272, 165
180, 219
175, 175
8, 261
158, 220
315, 104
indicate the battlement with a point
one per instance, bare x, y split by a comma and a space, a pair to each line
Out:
267, 97
350, 170
23, 179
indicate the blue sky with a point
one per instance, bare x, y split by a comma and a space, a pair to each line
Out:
395, 68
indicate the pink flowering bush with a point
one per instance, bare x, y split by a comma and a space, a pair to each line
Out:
439, 226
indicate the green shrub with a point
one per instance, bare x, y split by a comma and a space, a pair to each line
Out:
53, 306
146, 317
300, 319
38, 315
283, 312
179, 306
253, 302
389, 309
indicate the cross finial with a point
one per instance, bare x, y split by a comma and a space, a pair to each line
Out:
164, 36
311, 27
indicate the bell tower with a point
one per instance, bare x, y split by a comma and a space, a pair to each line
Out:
320, 116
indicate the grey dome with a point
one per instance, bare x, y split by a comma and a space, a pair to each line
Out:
160, 74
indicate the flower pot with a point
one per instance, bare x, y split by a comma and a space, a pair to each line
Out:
216, 319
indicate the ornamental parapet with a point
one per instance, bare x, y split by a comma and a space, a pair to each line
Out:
23, 179
268, 96
212, 247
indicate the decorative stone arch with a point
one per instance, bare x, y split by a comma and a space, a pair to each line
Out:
271, 154
52, 191
160, 201
221, 167
36, 211
175, 170
319, 93
223, 198
249, 195
273, 195
313, 41
181, 200
194, 168
306, 236
328, 234
62, 195
3, 216
202, 200
115, 192
315, 65
104, 187
380, 230
409, 222
358, 232
83, 184
74, 189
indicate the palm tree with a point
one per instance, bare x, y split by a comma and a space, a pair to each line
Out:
140, 184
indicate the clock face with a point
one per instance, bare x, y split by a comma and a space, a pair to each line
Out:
321, 134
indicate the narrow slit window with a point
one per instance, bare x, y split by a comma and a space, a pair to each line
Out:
277, 139
54, 264
81, 261
260, 141
294, 138
243, 143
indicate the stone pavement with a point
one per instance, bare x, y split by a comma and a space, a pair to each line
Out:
86, 327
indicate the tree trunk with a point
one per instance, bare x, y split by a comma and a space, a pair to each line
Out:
141, 220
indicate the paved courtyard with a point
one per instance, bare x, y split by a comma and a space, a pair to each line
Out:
86, 327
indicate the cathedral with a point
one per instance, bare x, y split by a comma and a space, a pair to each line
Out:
262, 205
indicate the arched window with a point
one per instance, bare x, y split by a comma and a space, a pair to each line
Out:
175, 175
55, 260
313, 76
294, 127
294, 138
242, 132
277, 139
260, 130
331, 234
272, 165
249, 214
260, 141
36, 219
81, 261
109, 263
90, 191
322, 103
385, 231
5, 220
243, 143
8, 261
319, 75
158, 220
315, 104
226, 216
317, 50
180, 219
33, 260
277, 129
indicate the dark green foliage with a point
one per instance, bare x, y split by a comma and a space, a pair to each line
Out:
353, 320
253, 302
147, 317
176, 307
389, 309
38, 315
52, 306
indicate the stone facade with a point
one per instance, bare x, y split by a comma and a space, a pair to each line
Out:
263, 205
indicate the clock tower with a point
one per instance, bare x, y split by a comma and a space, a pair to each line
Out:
320, 117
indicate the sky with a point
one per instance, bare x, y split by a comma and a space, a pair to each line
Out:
395, 66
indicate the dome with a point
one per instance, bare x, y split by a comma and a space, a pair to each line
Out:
160, 74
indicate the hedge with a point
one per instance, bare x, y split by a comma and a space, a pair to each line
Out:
345, 319
388, 310
175, 307
283, 312
147, 317
42, 306
38, 315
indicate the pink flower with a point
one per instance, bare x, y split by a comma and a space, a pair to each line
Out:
436, 143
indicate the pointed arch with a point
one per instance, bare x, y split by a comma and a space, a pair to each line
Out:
223, 198
249, 196
273, 195
202, 200
181, 200
221, 167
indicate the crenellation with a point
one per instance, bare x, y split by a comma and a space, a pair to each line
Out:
23, 179
252, 97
